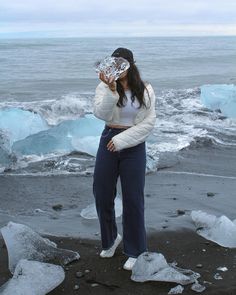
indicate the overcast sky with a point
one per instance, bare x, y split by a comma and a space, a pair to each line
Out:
117, 18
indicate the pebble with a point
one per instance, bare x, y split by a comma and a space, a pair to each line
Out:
79, 274
94, 285
199, 265
76, 287
210, 194
180, 212
57, 207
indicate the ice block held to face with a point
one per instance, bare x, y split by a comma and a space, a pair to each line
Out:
112, 66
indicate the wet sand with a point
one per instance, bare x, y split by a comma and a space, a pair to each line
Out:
182, 187
185, 247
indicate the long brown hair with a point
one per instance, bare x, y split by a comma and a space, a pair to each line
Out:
136, 86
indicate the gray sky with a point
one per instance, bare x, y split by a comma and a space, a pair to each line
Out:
117, 18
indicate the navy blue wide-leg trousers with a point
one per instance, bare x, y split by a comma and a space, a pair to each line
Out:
130, 165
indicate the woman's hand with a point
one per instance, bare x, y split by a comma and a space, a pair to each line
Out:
111, 146
110, 82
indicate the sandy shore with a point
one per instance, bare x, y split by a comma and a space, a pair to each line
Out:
182, 187
185, 247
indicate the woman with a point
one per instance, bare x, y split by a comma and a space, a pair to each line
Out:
128, 108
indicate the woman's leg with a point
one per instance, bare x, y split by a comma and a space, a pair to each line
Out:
104, 189
132, 176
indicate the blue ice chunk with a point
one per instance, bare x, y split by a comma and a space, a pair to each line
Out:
220, 96
18, 123
81, 135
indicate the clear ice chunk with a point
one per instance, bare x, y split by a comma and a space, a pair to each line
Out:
217, 276
23, 243
30, 123
90, 211
112, 66
33, 278
222, 268
198, 287
151, 266
81, 135
220, 96
176, 290
220, 230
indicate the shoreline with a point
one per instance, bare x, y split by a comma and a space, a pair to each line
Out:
183, 186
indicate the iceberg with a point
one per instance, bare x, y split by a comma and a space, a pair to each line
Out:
151, 266
33, 278
18, 123
82, 135
90, 211
23, 243
220, 96
220, 230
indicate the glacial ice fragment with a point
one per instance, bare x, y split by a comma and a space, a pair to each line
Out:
151, 266
90, 212
222, 268
217, 276
33, 278
23, 243
82, 135
220, 96
112, 66
176, 290
220, 230
30, 123
198, 287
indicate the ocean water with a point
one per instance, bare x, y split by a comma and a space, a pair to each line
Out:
55, 80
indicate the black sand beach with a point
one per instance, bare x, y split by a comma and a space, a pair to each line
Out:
170, 195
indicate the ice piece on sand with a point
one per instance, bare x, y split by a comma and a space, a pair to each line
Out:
176, 290
151, 266
90, 212
33, 278
222, 268
220, 96
23, 243
198, 287
220, 230
217, 276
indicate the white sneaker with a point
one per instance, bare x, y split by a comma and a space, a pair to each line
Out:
129, 263
110, 252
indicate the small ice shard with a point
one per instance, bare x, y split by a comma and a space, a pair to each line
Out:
112, 66
33, 278
220, 96
90, 212
222, 268
176, 290
220, 230
151, 266
23, 243
198, 287
217, 276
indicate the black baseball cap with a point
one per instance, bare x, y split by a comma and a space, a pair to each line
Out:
125, 53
